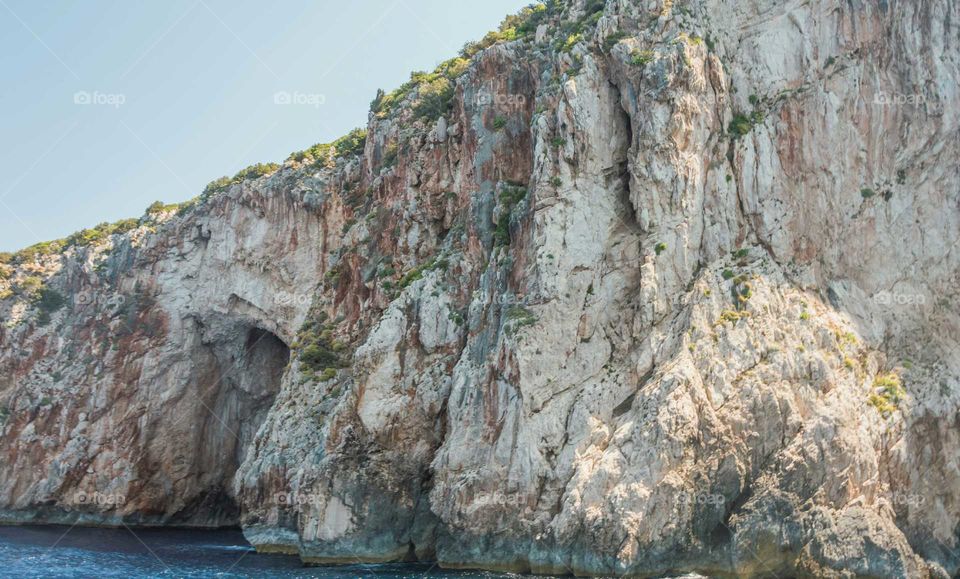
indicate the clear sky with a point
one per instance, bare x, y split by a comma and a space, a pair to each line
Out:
108, 106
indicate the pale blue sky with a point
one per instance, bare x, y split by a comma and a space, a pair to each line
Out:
197, 80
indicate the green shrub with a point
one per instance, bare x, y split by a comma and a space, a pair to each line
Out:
386, 272
391, 154
571, 41
732, 316
37, 250
318, 351
29, 286
527, 20
252, 172
867, 192
419, 271
499, 123
454, 68
740, 125
158, 207
501, 233
888, 393
660, 248
92, 236
728, 274
124, 226
255, 171
351, 144
510, 196
49, 300
612, 40
641, 57
326, 154
81, 238
593, 8
217, 185
435, 90
435, 99
332, 275
317, 356
519, 317
846, 338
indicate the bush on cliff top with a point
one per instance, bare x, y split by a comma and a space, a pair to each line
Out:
435, 99
82, 238
436, 89
324, 154
251, 172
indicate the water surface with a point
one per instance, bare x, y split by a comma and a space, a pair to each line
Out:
61, 551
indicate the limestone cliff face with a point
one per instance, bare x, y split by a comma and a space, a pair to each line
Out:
669, 286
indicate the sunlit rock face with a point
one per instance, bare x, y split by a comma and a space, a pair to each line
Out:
676, 294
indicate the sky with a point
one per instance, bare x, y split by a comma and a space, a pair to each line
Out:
107, 106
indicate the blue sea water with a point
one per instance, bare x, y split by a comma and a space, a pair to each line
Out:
79, 552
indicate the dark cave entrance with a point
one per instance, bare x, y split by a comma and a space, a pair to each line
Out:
247, 370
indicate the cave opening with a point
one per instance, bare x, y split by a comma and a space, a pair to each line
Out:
242, 388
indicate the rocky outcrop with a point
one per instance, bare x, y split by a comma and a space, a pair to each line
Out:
662, 287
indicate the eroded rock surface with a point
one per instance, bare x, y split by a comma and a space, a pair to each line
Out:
676, 294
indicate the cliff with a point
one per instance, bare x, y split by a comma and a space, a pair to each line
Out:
633, 287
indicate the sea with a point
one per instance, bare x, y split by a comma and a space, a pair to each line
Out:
63, 551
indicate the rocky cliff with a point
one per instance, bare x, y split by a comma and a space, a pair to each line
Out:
641, 287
